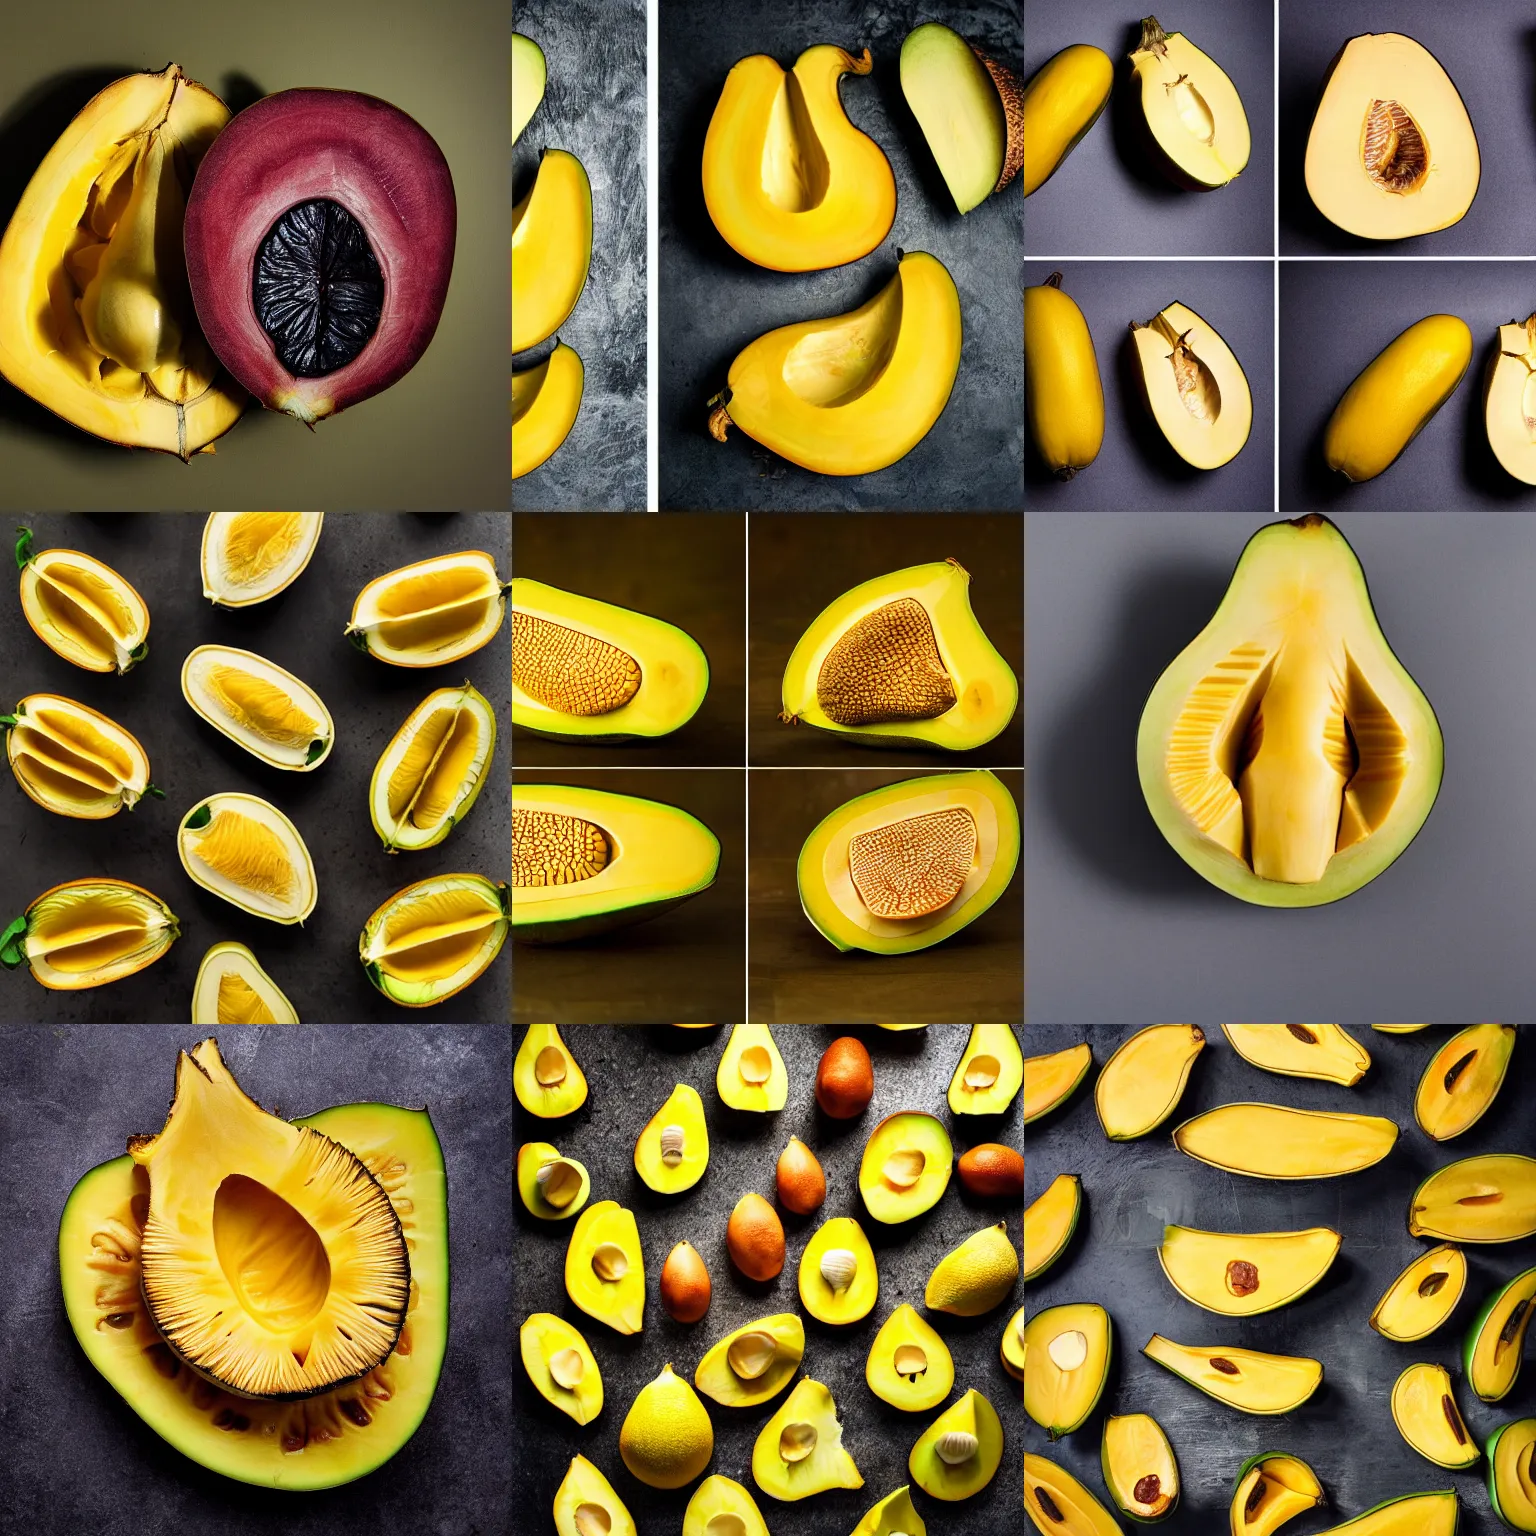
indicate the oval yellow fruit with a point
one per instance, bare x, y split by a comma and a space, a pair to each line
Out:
1063, 396
1062, 101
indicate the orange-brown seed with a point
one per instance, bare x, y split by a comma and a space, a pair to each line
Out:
754, 1237
993, 1170
801, 1183
685, 1287
845, 1080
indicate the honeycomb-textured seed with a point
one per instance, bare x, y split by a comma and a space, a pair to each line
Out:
551, 849
568, 671
885, 667
914, 867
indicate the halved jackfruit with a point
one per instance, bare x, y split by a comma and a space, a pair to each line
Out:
1194, 386
431, 939
1392, 151
259, 706
429, 776
86, 933
1287, 755
1058, 1505
244, 849
1272, 1488
432, 612
1193, 112
1495, 1343
1425, 1412
1140, 1469
1246, 1379
1272, 1141
82, 609
1423, 1296
251, 556
1511, 1453
1301, 1050
74, 761
1462, 1080
1243, 1274
273, 1262
1142, 1083
232, 988
1490, 1199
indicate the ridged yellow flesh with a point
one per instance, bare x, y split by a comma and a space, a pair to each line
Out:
433, 772
437, 629
256, 543
419, 593
914, 867
430, 914
74, 619
438, 957
92, 591
84, 737
417, 759
239, 1002
247, 853
89, 954
52, 767
69, 919
261, 706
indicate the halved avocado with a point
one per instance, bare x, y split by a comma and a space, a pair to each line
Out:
1068, 1349
672, 1152
1489, 1199
1049, 1223
754, 1362
904, 867
561, 1366
900, 660
722, 1507
587, 670
960, 1452
1194, 386
585, 861
909, 1365
1425, 1412
1423, 1297
1058, 1505
1286, 754
315, 1442
1392, 151
892, 1516
838, 1279
1272, 1141
1511, 1453
585, 1502
906, 1166
751, 1073
1414, 1514
1462, 1080
1241, 1275
1271, 1489
548, 1080
604, 1267
1140, 1469
1049, 1081
799, 1451
989, 1072
1193, 113
1323, 1051
1246, 1379
1495, 1343
1142, 1083
553, 1188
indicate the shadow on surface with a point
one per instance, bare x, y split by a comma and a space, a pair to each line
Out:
1136, 415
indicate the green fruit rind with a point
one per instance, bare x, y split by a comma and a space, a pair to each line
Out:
1034, 1272
1494, 1496
1480, 1322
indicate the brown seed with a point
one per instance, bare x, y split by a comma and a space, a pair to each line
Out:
1453, 1419
1242, 1277
845, 1079
1512, 1327
754, 1237
1255, 1498
1147, 1489
1224, 1366
1048, 1504
1432, 1285
801, 1183
1302, 1033
685, 1286
1491, 1198
1457, 1068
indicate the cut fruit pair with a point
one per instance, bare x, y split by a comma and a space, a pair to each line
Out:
249, 557
433, 938
259, 706
429, 776
82, 609
74, 761
432, 612
86, 933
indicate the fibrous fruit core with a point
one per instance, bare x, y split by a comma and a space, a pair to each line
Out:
551, 849
912, 868
1393, 148
240, 1003
568, 671
885, 667
248, 853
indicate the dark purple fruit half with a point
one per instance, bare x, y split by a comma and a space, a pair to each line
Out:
319, 238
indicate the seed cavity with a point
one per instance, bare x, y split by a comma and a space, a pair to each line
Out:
913, 868
592, 1520
1453, 1418
751, 1354
1069, 1350
1225, 1366
1242, 1277
551, 849
1490, 1197
1432, 1285
559, 1182
1197, 118
838, 1267
1457, 1068
982, 1071
1199, 393
1147, 1489
1048, 1505
568, 671
756, 1065
1302, 1033
885, 667
672, 1139
610, 1262
1256, 1498
1392, 148
904, 1168
910, 1360
797, 1442
726, 1525
1511, 1328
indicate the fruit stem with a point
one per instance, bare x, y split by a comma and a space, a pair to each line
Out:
1153, 38
719, 423
1053, 281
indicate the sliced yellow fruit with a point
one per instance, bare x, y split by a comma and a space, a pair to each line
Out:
432, 612
259, 706
82, 609
1271, 1141
1423, 1296
232, 988
244, 849
85, 933
428, 777
1243, 1274
251, 556
73, 760
1142, 1083
1302, 1050
433, 938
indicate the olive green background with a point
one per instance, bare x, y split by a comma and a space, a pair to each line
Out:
440, 437
797, 976
801, 563
687, 965
689, 570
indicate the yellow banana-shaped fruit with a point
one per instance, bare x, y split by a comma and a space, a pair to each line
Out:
1062, 101
1390, 402
1063, 397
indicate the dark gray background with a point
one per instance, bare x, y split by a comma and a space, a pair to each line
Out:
1489, 50
630, 1073
1335, 317
714, 302
81, 1459
1345, 1433
1109, 198
594, 107
1136, 467
314, 963
1120, 928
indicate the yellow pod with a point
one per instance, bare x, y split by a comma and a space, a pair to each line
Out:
1063, 397
1062, 101
545, 402
1390, 403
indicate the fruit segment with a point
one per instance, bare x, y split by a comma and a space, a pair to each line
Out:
1301, 1050
86, 933
248, 557
1511, 1474
428, 778
1068, 1350
1462, 1080
232, 988
1242, 1378
1142, 1083
1273, 1141
545, 402
1192, 110
1243, 1274
1489, 1199
1271, 1489
433, 938
1194, 386
1056, 1502
244, 849
82, 609
432, 612
1423, 1297
1049, 1223
74, 761
528, 80
1140, 1469
1427, 1417
259, 706
551, 249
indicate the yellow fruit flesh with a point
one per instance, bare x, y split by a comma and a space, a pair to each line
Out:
1067, 1353
1301, 1050
1271, 1493
1139, 1468
1243, 1378
546, 400
1048, 1080
81, 747
1423, 1296
1426, 1415
256, 543
1141, 1084
551, 248
247, 853
568, 671
73, 603
1241, 1274
261, 706
1191, 106
240, 1003
431, 775
1058, 1505
1195, 386
1272, 1141
77, 934
437, 630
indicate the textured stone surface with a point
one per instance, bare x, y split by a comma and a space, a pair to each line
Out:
594, 107
315, 963
80, 1459
630, 1073
713, 301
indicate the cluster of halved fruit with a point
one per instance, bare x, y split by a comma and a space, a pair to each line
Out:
271, 1298
1484, 1199
667, 1439
422, 945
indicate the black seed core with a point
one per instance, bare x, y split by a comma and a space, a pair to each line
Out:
317, 290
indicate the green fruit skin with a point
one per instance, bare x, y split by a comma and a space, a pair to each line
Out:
1056, 1431
1493, 1484
1114, 1492
1469, 1346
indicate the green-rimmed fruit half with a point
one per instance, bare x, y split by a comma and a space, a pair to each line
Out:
1271, 1489
74, 761
1058, 1505
1140, 1469
232, 988
1323, 1051
1068, 1349
561, 1365
1414, 1514
1511, 1453
906, 1166
244, 849
1049, 1223
86, 933
429, 776
433, 938
1274, 1141
1242, 1274
1423, 1297
1246, 1379
1425, 1412
960, 1452
1049, 1081
1495, 1342
554, 1188
754, 1362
